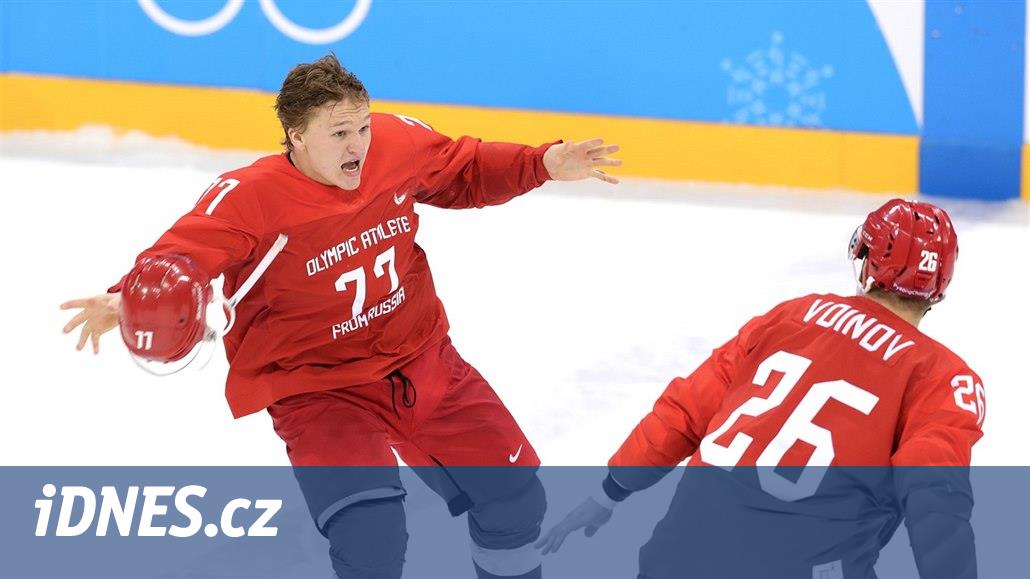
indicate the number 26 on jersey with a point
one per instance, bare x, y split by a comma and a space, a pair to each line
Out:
798, 427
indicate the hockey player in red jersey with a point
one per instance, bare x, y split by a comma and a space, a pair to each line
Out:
819, 384
338, 330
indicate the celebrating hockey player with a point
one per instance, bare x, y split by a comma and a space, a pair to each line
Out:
802, 394
337, 330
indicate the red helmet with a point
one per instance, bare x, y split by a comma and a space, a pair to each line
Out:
909, 248
164, 308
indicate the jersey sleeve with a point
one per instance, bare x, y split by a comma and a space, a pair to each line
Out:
940, 422
467, 172
218, 233
673, 430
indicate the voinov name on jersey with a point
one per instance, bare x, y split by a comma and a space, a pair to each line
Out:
144, 512
870, 333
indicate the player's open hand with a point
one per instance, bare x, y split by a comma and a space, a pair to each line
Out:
589, 515
99, 314
575, 161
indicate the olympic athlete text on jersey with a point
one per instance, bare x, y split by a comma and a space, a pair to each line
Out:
820, 381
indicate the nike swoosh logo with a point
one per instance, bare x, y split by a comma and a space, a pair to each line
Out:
513, 457
400, 199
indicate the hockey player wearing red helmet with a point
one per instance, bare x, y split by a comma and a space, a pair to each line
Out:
337, 321
907, 249
819, 381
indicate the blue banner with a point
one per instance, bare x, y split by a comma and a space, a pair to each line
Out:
780, 62
171, 522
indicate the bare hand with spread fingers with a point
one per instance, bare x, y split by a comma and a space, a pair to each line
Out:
575, 161
589, 515
99, 315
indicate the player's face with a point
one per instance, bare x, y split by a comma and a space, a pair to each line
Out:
333, 146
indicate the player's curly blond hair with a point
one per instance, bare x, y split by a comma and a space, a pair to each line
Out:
311, 85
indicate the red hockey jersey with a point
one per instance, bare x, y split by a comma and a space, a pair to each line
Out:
350, 297
818, 381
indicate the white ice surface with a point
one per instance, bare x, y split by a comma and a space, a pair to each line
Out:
578, 302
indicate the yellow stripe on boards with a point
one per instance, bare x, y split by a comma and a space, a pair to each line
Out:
244, 119
1026, 173
216, 117
704, 151
880, 163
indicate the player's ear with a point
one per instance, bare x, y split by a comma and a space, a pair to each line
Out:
296, 138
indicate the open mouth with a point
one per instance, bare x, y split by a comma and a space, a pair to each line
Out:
351, 167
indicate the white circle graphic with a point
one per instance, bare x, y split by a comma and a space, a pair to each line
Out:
191, 27
316, 35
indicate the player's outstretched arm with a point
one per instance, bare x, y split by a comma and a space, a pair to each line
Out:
214, 239
589, 516
582, 160
98, 315
465, 173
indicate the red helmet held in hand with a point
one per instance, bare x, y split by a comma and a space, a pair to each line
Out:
908, 248
164, 308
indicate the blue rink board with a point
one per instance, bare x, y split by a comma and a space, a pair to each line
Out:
671, 60
439, 544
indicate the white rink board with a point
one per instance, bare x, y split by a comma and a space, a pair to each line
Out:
578, 302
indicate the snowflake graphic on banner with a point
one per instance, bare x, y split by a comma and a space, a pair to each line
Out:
774, 86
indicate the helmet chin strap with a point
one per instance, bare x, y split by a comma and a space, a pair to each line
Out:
229, 305
230, 313
259, 270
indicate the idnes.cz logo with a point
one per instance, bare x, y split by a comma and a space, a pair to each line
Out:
144, 509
